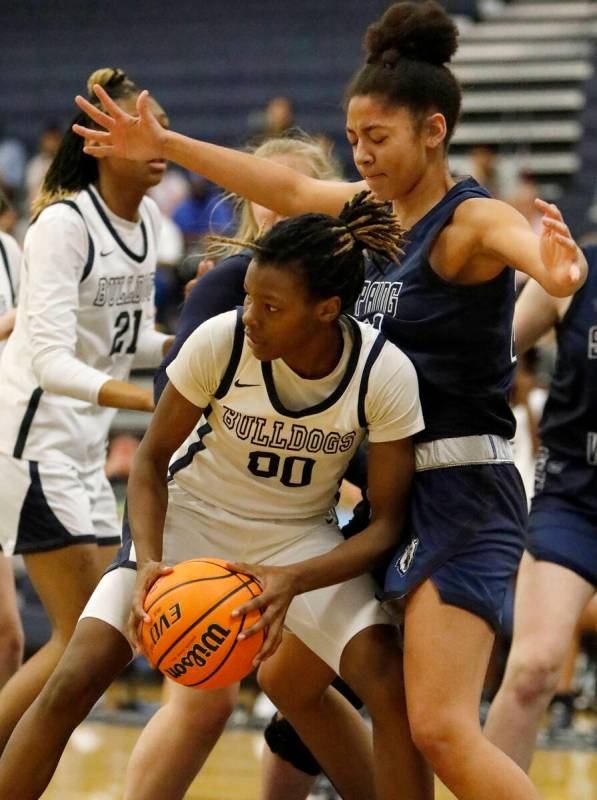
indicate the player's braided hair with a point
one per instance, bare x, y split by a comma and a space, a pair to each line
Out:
328, 252
72, 169
408, 50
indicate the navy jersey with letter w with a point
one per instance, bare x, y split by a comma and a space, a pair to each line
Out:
458, 337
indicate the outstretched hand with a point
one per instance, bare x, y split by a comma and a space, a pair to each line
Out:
279, 587
139, 138
560, 253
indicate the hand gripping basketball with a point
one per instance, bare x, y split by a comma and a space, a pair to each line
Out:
147, 574
188, 630
279, 587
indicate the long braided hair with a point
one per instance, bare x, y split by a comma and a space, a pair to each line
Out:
328, 253
71, 169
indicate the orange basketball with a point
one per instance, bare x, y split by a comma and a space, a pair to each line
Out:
191, 636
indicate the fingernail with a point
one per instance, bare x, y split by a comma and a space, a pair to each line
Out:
241, 636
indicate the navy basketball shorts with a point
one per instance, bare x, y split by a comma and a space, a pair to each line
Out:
465, 528
563, 535
51, 505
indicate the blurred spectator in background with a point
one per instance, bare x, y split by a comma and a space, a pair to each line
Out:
276, 119
171, 192
495, 173
8, 215
527, 401
204, 211
12, 164
523, 199
37, 166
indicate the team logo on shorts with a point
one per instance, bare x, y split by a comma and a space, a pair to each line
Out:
331, 517
406, 559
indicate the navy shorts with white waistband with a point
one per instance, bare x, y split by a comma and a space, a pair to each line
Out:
465, 531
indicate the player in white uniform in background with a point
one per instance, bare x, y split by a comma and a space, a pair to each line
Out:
85, 315
12, 639
256, 428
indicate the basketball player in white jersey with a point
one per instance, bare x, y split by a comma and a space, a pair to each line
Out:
242, 459
85, 316
12, 639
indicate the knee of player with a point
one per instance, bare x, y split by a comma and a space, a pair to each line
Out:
284, 741
371, 665
211, 708
271, 683
532, 676
71, 691
438, 734
12, 645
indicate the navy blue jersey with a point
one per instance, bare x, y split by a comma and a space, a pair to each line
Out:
220, 290
567, 462
458, 337
569, 422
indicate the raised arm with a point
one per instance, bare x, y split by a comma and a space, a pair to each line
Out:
272, 185
502, 234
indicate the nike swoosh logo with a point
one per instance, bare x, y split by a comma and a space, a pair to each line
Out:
240, 385
106, 252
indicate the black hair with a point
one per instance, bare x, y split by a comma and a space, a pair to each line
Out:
328, 253
407, 52
71, 169
5, 204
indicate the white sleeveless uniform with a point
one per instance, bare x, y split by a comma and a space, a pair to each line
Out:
10, 270
85, 315
257, 481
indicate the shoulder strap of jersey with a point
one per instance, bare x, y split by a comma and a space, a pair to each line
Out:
91, 246
237, 349
444, 213
4, 256
376, 347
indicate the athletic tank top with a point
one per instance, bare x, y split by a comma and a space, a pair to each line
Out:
458, 337
254, 457
567, 461
114, 313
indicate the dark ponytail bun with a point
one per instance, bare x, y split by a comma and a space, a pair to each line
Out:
408, 50
416, 31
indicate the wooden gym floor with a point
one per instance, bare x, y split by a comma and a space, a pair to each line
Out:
93, 767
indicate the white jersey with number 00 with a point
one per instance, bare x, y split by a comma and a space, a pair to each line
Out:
273, 445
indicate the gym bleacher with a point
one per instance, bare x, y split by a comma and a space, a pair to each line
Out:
525, 67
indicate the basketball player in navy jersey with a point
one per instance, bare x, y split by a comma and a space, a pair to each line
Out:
558, 573
450, 306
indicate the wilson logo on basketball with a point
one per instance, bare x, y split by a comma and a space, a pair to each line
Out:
164, 622
197, 656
